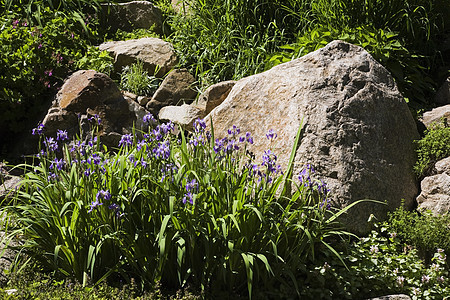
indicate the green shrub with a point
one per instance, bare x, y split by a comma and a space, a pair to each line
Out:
432, 148
35, 59
387, 47
97, 60
377, 265
136, 80
222, 40
425, 231
34, 62
33, 10
190, 211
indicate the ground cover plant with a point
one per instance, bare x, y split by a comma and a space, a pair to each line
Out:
176, 210
381, 264
434, 146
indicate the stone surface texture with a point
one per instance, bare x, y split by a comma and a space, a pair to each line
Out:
85, 94
442, 96
392, 297
176, 89
357, 130
435, 189
183, 115
436, 115
153, 52
8, 185
132, 15
214, 96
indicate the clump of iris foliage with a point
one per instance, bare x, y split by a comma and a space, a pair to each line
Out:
175, 209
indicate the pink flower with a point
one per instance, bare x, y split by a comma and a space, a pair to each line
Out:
400, 281
426, 278
374, 249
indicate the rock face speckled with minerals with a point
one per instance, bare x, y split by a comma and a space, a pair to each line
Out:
357, 129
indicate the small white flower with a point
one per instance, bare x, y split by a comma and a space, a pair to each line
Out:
400, 281
374, 249
434, 267
426, 278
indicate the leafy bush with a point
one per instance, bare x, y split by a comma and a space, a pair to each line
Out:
387, 47
34, 62
97, 60
418, 21
424, 231
136, 80
181, 211
222, 40
432, 148
32, 10
35, 59
377, 265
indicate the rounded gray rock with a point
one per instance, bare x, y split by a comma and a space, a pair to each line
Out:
357, 129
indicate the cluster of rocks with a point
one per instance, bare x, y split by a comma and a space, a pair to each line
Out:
357, 130
435, 188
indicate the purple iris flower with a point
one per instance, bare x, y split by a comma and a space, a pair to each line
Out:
94, 205
162, 150
148, 118
271, 134
199, 125
61, 135
234, 130
51, 144
103, 195
188, 197
127, 139
38, 130
95, 158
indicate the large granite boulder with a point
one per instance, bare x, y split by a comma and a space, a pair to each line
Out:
86, 97
177, 88
154, 53
435, 189
357, 130
132, 15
